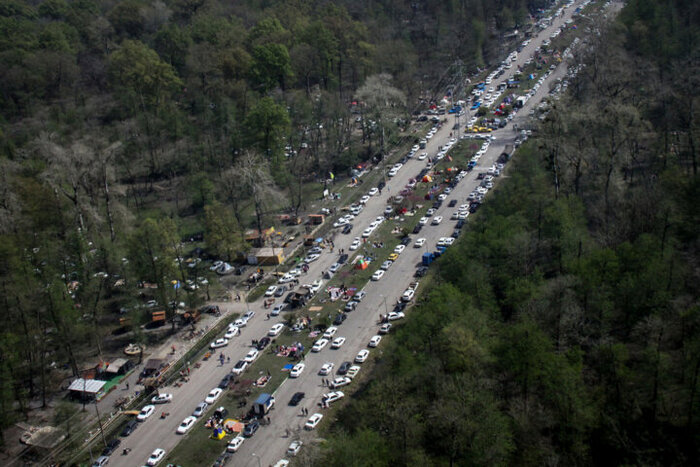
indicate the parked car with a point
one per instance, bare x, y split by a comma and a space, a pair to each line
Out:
251, 428
111, 446
200, 409
129, 427
146, 412
156, 457
313, 421
186, 424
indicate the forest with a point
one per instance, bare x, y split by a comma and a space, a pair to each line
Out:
126, 126
563, 327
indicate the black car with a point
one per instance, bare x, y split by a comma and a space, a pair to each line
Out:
452, 203
339, 319
474, 207
130, 427
251, 428
460, 224
222, 460
111, 446
296, 398
456, 233
400, 307
417, 228
437, 204
406, 240
262, 343
421, 271
347, 229
344, 367
280, 291
342, 258
481, 176
381, 185
225, 381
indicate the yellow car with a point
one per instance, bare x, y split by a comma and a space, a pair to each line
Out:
393, 257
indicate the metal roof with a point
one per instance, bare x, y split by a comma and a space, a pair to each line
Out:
91, 386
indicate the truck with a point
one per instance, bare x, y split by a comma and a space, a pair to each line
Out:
263, 404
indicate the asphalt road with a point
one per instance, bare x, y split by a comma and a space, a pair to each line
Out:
270, 443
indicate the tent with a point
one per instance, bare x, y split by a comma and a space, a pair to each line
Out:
218, 433
362, 264
427, 179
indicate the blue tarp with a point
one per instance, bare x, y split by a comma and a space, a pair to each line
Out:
287, 367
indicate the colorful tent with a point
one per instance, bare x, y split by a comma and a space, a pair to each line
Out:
426, 179
362, 264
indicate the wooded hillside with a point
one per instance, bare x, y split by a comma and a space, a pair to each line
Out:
564, 327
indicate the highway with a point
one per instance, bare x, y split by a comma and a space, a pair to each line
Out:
269, 444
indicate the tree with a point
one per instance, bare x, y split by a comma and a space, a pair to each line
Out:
136, 69
382, 100
271, 66
267, 123
222, 232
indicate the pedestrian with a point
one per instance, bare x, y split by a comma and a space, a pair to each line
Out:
127, 385
228, 359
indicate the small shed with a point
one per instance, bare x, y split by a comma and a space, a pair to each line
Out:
86, 389
266, 256
119, 366
152, 366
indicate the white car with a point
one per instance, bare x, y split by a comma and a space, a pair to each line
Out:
419, 243
359, 296
221, 342
337, 342
297, 370
313, 421
437, 220
162, 399
200, 409
278, 309
362, 356
423, 220
374, 341
330, 332
326, 369
367, 232
332, 397
377, 275
239, 367
319, 345
213, 395
384, 328
388, 210
399, 249
271, 291
373, 191
364, 199
352, 371
394, 315
294, 448
311, 258
146, 412
430, 212
232, 331
442, 197
422, 156
340, 222
339, 382
156, 457
386, 265
235, 443
406, 297
186, 424
276, 330
251, 355
355, 244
